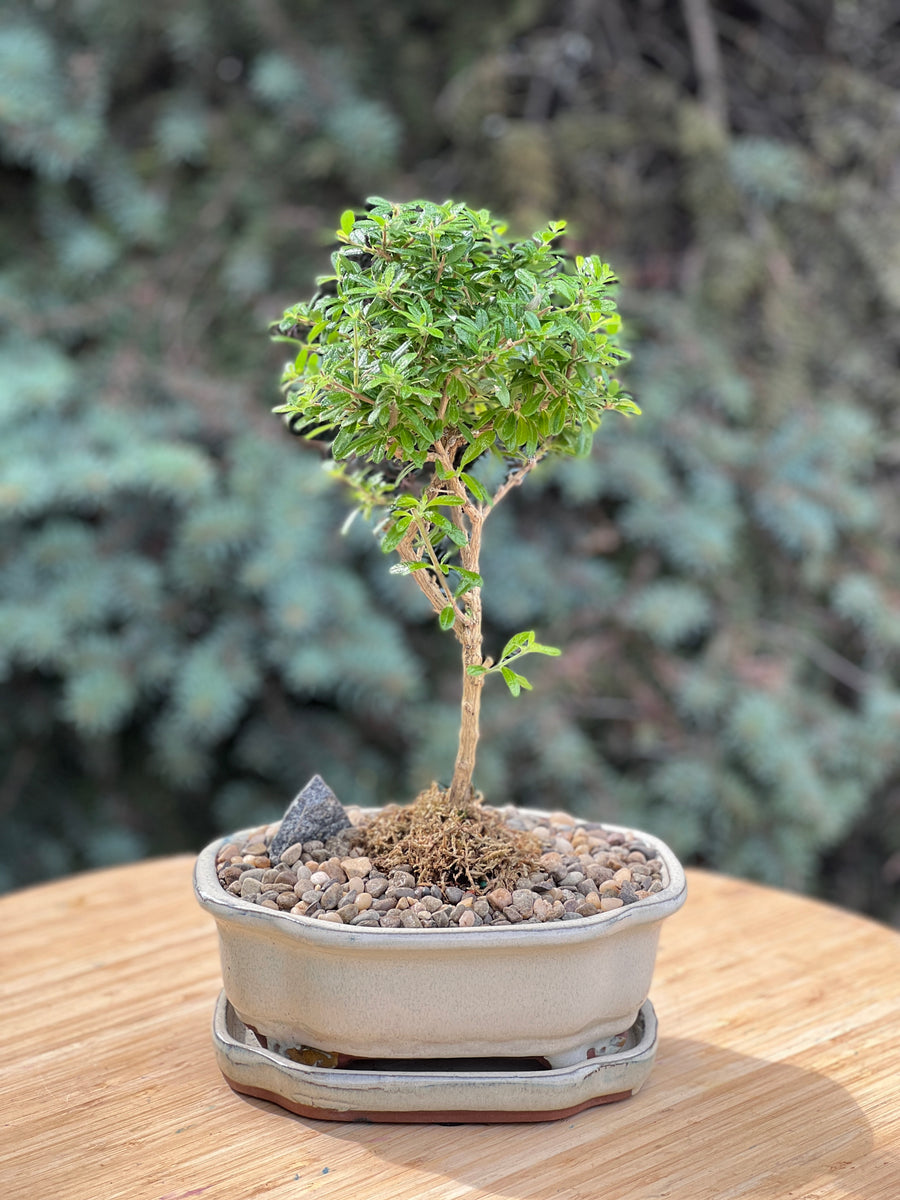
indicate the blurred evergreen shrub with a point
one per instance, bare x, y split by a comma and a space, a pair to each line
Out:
183, 639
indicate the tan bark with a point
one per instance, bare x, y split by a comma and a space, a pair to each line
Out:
467, 627
461, 784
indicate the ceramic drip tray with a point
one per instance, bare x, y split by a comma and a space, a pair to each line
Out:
434, 1090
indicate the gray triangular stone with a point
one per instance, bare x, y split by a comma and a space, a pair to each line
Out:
316, 814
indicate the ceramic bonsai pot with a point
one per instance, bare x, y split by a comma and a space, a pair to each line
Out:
557, 991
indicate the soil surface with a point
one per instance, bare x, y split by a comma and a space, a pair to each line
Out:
582, 870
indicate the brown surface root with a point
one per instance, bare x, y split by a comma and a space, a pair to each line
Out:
466, 846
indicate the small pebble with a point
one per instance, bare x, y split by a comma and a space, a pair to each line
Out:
333, 868
366, 918
293, 854
499, 898
356, 866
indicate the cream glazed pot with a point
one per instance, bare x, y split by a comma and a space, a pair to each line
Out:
556, 990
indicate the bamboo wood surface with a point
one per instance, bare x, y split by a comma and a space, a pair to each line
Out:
778, 1073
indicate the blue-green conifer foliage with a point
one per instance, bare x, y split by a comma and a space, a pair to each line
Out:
184, 638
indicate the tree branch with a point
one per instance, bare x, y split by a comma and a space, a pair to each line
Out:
515, 478
707, 60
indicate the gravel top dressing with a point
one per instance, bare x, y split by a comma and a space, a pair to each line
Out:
582, 870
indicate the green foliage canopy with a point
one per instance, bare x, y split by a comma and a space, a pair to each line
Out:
440, 329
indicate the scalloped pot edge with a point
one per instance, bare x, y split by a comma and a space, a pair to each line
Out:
553, 990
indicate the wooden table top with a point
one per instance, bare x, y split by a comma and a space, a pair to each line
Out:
778, 1073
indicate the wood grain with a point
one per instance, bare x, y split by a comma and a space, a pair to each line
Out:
778, 1072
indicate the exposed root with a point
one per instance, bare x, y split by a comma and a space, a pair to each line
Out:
465, 846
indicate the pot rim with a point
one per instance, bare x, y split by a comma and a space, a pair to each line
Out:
223, 906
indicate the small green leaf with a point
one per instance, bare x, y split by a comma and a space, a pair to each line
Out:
447, 617
348, 220
476, 487
445, 502
515, 682
468, 580
478, 447
627, 406
551, 651
340, 447
455, 254
476, 670
395, 534
512, 680
456, 388
518, 643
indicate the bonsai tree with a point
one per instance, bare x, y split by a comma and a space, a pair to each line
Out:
436, 345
